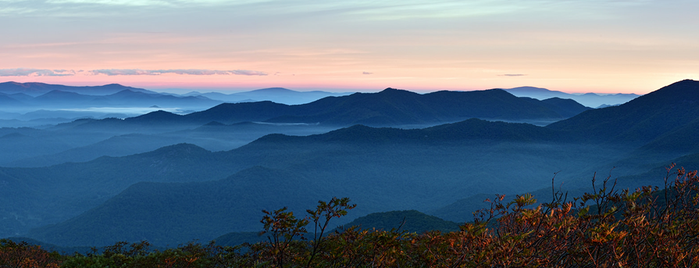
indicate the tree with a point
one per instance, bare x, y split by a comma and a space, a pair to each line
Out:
321, 217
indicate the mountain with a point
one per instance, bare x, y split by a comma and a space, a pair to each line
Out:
9, 101
166, 218
638, 121
407, 220
240, 112
121, 145
60, 99
421, 169
393, 107
390, 107
38, 196
68, 103
170, 214
17, 143
131, 98
276, 94
565, 107
471, 129
36, 89
185, 192
156, 117
588, 99
84, 139
139, 135
681, 139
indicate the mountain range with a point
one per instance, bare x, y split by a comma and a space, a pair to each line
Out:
127, 97
37, 89
183, 192
588, 99
229, 125
390, 107
37, 104
274, 94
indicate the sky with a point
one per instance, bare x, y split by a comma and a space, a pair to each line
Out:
610, 46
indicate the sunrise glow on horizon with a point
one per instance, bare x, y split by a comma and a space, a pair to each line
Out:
632, 46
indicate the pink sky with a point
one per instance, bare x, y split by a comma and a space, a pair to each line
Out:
572, 46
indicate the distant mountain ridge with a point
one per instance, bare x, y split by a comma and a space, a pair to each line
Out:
35, 89
588, 99
274, 94
388, 107
71, 99
392, 107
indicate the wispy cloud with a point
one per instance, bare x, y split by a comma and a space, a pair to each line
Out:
175, 71
367, 73
35, 72
113, 72
512, 75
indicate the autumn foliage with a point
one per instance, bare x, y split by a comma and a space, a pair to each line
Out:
648, 227
26, 256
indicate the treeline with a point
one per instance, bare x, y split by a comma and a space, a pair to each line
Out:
648, 227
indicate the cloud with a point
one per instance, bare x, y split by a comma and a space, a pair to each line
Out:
35, 72
367, 73
512, 75
112, 72
247, 72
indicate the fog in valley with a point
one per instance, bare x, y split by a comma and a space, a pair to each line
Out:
90, 166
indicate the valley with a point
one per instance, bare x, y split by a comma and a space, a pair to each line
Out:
170, 178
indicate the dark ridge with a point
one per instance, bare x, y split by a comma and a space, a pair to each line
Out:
685, 92
481, 129
392, 107
158, 116
565, 107
408, 220
471, 129
177, 150
237, 112
639, 120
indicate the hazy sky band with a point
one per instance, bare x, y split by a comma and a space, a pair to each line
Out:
619, 46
